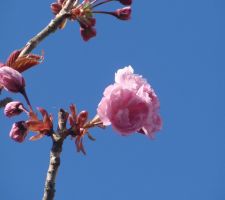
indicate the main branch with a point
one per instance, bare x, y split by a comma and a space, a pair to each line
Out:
54, 163
49, 191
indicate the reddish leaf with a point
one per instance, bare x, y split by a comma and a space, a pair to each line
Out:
42, 111
82, 147
27, 61
90, 137
36, 137
71, 121
79, 145
35, 126
73, 111
12, 57
33, 116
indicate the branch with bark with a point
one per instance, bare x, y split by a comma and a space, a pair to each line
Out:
54, 163
50, 28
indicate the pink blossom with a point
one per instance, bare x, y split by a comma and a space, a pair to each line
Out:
130, 105
19, 131
11, 79
13, 108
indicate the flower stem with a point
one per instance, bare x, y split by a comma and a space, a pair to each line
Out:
103, 2
104, 12
23, 92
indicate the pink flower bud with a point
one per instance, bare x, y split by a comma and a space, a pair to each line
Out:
19, 131
123, 13
82, 118
87, 33
13, 108
11, 79
126, 2
130, 105
56, 7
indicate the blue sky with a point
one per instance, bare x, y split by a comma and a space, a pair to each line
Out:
179, 47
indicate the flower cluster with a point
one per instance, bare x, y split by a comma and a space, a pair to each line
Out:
12, 80
130, 105
83, 13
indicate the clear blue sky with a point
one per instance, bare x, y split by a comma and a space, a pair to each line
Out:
179, 46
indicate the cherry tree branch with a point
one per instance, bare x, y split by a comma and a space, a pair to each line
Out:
54, 163
49, 191
50, 28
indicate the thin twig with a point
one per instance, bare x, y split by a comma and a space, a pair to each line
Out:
50, 28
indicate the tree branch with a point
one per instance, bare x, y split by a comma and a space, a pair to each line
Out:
54, 163
50, 28
49, 191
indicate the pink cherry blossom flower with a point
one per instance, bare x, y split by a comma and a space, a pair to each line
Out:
19, 131
130, 105
11, 79
14, 108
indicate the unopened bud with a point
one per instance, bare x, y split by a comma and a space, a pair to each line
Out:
123, 13
87, 33
13, 108
19, 131
82, 118
11, 79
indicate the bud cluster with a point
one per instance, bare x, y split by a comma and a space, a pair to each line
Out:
80, 127
83, 13
20, 129
79, 124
